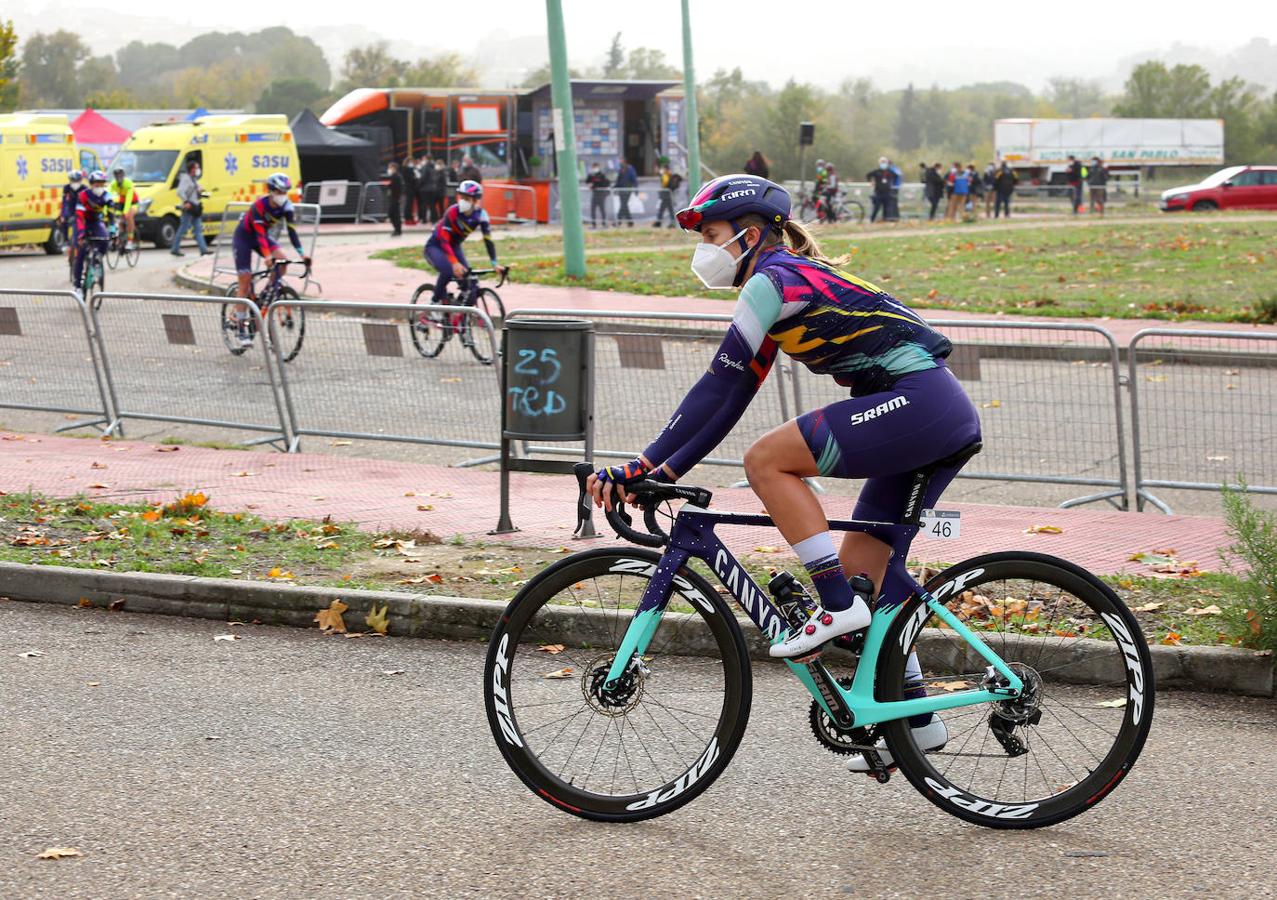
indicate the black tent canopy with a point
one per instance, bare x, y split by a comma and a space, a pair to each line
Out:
328, 155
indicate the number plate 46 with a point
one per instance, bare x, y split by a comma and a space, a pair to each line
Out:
941, 524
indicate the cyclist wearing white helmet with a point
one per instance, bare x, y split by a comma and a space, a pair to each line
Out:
443, 249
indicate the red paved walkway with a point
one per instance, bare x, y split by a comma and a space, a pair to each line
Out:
386, 495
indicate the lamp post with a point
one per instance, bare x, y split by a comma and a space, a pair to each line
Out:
689, 106
564, 125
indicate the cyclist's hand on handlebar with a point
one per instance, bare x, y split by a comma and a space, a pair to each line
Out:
458, 270
611, 481
306, 262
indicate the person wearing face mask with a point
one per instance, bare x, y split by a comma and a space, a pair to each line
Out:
125, 200
93, 211
192, 197
880, 180
906, 409
253, 235
598, 184
443, 249
66, 217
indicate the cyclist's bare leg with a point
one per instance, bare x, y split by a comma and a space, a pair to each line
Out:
776, 465
128, 222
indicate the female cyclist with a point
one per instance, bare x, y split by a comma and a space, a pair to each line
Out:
906, 409
443, 248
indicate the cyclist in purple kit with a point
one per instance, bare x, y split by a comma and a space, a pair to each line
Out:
92, 213
906, 409
66, 216
253, 234
443, 249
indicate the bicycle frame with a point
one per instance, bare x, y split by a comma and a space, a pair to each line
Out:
693, 536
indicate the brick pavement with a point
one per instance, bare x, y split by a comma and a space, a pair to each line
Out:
381, 495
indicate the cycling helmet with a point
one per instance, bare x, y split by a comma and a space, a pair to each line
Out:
97, 175
279, 182
471, 189
118, 170
733, 196
77, 175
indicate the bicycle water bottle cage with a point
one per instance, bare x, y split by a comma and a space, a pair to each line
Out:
922, 478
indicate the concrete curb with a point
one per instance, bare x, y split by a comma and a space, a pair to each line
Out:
1214, 669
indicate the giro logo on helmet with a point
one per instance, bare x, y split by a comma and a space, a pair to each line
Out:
734, 194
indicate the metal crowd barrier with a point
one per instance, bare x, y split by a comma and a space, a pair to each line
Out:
645, 363
164, 359
308, 216
40, 370
374, 202
1203, 401
360, 376
643, 203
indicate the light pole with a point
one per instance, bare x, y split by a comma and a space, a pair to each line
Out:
564, 124
689, 105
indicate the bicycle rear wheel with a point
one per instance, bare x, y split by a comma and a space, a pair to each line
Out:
641, 750
429, 330
287, 323
851, 211
113, 252
1086, 710
490, 303
132, 253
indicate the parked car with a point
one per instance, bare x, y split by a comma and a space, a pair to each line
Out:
1237, 187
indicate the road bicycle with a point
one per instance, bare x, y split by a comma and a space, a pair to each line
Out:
273, 299
431, 329
815, 207
94, 274
617, 682
120, 247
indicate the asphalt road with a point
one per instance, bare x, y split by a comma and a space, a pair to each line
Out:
288, 764
1039, 415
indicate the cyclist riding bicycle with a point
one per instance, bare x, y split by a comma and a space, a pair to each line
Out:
92, 215
253, 234
125, 200
906, 409
829, 190
443, 249
66, 216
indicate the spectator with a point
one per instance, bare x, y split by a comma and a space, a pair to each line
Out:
408, 172
1098, 178
432, 189
598, 184
442, 189
975, 185
880, 180
893, 199
961, 188
394, 189
669, 183
830, 193
192, 197
758, 165
987, 180
1004, 185
935, 188
626, 183
424, 171
469, 171
1074, 178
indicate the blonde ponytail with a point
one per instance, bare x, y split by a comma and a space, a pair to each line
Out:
802, 243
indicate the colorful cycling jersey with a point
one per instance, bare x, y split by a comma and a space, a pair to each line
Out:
91, 211
70, 196
124, 194
455, 226
258, 220
832, 322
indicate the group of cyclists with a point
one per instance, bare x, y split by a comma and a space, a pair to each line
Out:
88, 210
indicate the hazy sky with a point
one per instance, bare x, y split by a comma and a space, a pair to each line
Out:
822, 41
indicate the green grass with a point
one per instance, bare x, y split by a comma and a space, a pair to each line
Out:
1187, 267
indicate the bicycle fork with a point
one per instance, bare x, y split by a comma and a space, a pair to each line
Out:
647, 617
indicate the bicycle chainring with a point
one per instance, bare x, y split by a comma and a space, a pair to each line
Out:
840, 741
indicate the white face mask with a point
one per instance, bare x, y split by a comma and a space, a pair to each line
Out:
714, 265
100, 191
279, 199
465, 206
195, 173
76, 185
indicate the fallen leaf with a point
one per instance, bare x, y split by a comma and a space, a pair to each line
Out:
1172, 639
453, 380
766, 549
340, 443
93, 683
376, 619
561, 673
97, 465
97, 486
1148, 607
243, 474
1044, 529
1211, 610
226, 637
58, 853
330, 619
552, 649
992, 404
327, 545
435, 577
355, 634
277, 572
151, 515
167, 449
410, 493
116, 605
85, 603
1253, 620
951, 686
28, 654
424, 507
1112, 704
1155, 378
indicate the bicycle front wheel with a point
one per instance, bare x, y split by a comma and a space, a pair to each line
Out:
852, 211
113, 253
429, 330
287, 323
1083, 716
132, 252
651, 744
96, 278
237, 333
490, 303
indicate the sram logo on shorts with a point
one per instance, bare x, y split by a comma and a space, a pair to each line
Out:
686, 780
981, 807
881, 409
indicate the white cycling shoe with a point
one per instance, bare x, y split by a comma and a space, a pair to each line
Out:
821, 627
929, 738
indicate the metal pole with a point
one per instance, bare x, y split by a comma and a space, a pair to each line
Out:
689, 107
565, 142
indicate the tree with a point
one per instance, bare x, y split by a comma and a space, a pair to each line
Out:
1076, 97
289, 96
646, 63
96, 74
50, 68
8, 67
1154, 92
288, 55
142, 66
371, 66
908, 132
614, 67
541, 76
1238, 105
231, 83
447, 70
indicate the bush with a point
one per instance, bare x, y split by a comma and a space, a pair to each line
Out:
1254, 534
1265, 310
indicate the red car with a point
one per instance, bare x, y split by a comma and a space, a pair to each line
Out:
1237, 187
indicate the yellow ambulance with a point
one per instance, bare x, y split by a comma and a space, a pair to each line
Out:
37, 153
236, 154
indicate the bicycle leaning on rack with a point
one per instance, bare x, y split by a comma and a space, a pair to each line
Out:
617, 683
431, 329
286, 321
